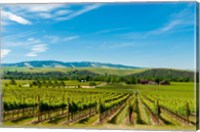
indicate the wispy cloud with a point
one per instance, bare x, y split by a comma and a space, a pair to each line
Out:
25, 44
8, 16
58, 12
53, 15
79, 12
37, 49
115, 45
168, 27
35, 46
20, 13
71, 38
4, 52
56, 39
52, 39
181, 21
63, 12
111, 30
41, 7
177, 21
121, 45
33, 8
19, 35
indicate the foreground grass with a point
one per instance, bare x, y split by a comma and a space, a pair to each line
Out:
102, 126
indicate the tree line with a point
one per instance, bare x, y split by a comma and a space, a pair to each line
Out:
155, 75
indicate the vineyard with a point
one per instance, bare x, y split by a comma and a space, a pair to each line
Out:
109, 106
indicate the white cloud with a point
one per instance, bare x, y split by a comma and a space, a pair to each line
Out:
39, 48
42, 8
4, 52
79, 12
52, 15
26, 43
170, 25
30, 39
52, 39
31, 54
111, 30
19, 35
56, 12
71, 38
15, 18
63, 12
36, 7
56, 39
178, 22
45, 15
166, 28
116, 45
32, 11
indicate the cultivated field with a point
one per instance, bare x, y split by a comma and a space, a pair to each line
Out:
110, 106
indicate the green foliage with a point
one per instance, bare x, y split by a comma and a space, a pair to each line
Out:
47, 107
12, 106
166, 74
12, 82
92, 84
130, 80
91, 75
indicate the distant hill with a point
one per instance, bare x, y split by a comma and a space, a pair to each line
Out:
59, 64
169, 74
61, 70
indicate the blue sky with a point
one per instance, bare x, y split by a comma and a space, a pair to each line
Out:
137, 34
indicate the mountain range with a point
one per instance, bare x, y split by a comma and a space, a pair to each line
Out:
59, 64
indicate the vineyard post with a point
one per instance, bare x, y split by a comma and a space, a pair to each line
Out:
63, 104
68, 102
23, 98
99, 110
49, 111
13, 111
158, 111
187, 112
130, 113
35, 101
18, 113
38, 109
2, 113
90, 103
33, 106
83, 103
176, 115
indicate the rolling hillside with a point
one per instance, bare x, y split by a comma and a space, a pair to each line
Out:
66, 69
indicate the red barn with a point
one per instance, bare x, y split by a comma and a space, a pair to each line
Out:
143, 81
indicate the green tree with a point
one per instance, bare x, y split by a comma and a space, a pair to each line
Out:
12, 82
92, 84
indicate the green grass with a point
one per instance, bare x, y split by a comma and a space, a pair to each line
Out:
120, 117
112, 71
67, 83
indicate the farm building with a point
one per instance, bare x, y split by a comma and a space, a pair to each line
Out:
152, 83
144, 81
164, 82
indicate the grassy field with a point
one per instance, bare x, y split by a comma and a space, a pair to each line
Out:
111, 71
